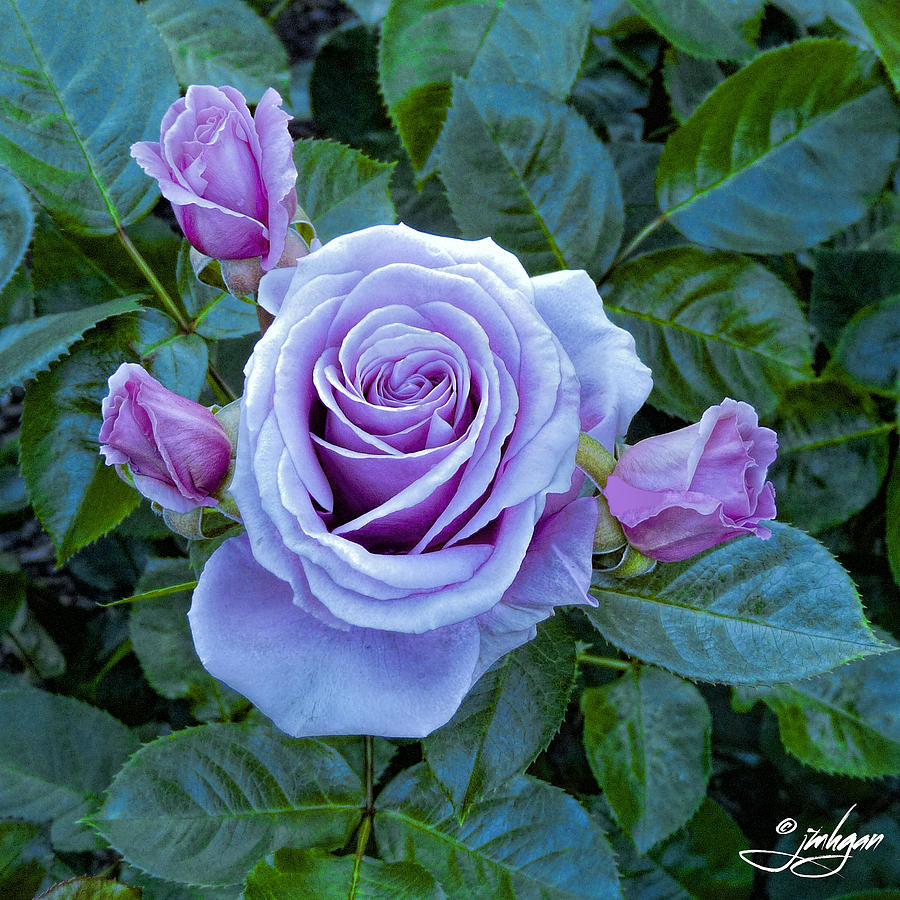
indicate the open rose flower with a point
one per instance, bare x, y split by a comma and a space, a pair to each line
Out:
229, 176
176, 451
405, 473
680, 493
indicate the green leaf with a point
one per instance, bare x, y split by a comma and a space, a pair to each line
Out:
29, 347
828, 435
882, 18
784, 153
713, 325
73, 102
18, 880
74, 271
705, 28
74, 494
343, 89
647, 740
56, 756
635, 166
869, 348
704, 856
528, 840
746, 612
16, 224
301, 874
17, 298
203, 805
89, 888
526, 169
508, 717
425, 44
689, 81
845, 721
162, 642
640, 876
846, 281
179, 361
221, 42
892, 522
341, 189
214, 313
33, 645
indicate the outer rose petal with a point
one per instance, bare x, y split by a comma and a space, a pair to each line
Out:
314, 680
556, 572
614, 382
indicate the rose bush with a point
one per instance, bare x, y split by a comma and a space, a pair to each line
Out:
680, 493
405, 473
175, 450
229, 176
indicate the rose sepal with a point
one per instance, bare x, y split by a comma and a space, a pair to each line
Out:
630, 563
199, 524
594, 459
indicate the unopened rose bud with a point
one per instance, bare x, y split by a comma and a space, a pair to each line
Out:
680, 493
174, 450
229, 176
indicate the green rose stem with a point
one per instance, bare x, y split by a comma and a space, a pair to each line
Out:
365, 827
218, 384
606, 661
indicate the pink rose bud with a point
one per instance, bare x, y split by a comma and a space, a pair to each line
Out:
680, 493
229, 176
175, 449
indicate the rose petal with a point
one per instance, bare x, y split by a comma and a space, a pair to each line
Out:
277, 170
314, 680
614, 382
556, 572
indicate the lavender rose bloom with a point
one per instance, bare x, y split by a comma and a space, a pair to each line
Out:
229, 176
680, 493
175, 449
405, 472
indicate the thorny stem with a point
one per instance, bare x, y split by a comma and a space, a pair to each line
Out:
170, 305
224, 394
607, 661
365, 827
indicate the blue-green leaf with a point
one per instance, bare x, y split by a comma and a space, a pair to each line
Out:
705, 28
526, 170
56, 756
221, 42
73, 102
528, 840
746, 612
783, 153
711, 325
303, 874
425, 44
507, 718
828, 434
74, 494
16, 224
30, 347
845, 721
342, 189
647, 740
202, 806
